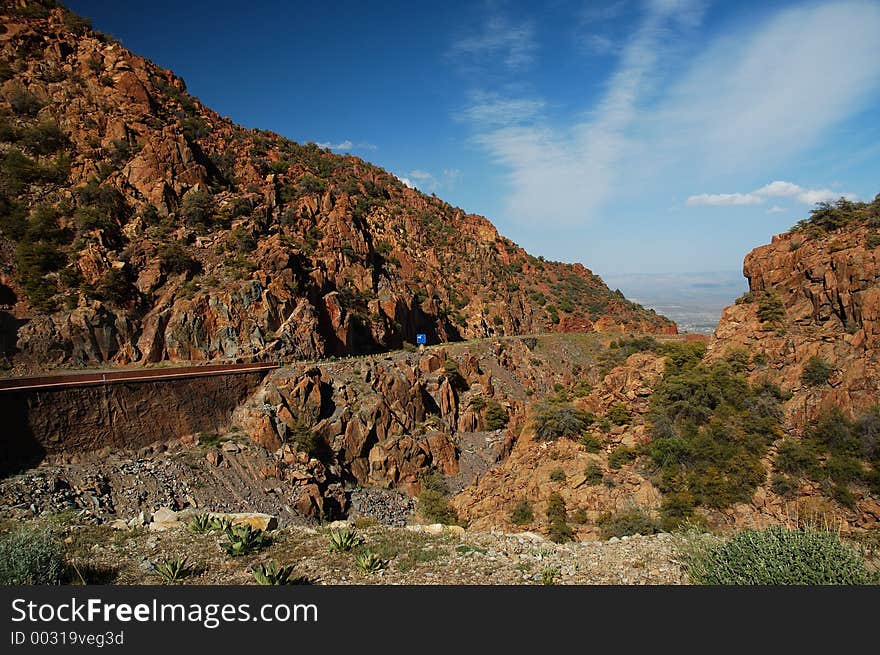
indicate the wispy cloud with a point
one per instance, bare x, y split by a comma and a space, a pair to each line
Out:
500, 40
776, 189
427, 181
747, 101
562, 174
342, 145
347, 145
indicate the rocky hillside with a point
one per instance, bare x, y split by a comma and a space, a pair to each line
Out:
137, 225
814, 305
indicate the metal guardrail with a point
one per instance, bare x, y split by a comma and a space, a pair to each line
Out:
129, 375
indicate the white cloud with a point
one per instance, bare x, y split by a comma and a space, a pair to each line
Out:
492, 110
563, 175
776, 189
513, 44
746, 102
776, 209
724, 199
427, 181
342, 145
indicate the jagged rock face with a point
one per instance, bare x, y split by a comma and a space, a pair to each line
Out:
283, 250
829, 287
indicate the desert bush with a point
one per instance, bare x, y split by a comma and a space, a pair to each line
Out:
522, 514
619, 414
557, 475
770, 308
199, 524
778, 556
621, 456
496, 415
31, 556
554, 420
590, 442
710, 429
816, 372
557, 518
434, 501
454, 376
626, 522
174, 259
44, 138
593, 474
198, 209
783, 485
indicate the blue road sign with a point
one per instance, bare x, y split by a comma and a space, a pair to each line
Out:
421, 338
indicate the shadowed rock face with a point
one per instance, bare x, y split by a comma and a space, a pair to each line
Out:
128, 416
182, 236
829, 288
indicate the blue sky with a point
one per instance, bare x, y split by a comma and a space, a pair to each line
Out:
633, 136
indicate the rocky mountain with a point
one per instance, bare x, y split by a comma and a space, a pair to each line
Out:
811, 318
137, 225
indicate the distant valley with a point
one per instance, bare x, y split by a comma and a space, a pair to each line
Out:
693, 300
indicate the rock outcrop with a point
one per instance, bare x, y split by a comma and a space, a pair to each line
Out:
811, 295
140, 226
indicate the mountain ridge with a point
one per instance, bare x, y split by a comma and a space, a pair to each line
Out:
140, 226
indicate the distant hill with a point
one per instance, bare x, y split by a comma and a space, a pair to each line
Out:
137, 225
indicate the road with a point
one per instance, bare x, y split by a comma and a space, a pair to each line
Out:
129, 375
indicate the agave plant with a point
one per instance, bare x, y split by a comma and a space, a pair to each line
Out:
344, 540
172, 570
271, 574
243, 539
200, 524
369, 562
220, 523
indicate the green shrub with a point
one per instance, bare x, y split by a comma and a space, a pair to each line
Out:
783, 485
454, 376
557, 475
199, 524
31, 556
619, 414
676, 510
816, 372
174, 259
710, 430
590, 442
198, 209
554, 420
797, 457
777, 556
23, 102
621, 456
496, 415
593, 474
522, 514
557, 517
770, 308
434, 501
626, 522
44, 138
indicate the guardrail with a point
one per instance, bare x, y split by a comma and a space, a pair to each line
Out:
129, 375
